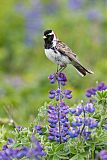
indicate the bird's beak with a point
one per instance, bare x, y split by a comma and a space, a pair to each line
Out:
44, 37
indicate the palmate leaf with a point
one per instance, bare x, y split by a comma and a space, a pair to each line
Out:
63, 153
74, 157
50, 153
99, 94
63, 157
58, 157
73, 151
60, 147
105, 93
102, 97
78, 157
55, 157
102, 139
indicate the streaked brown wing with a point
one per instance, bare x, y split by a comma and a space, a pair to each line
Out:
64, 49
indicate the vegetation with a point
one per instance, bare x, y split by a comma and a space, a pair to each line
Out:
23, 78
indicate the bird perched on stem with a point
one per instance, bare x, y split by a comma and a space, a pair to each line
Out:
59, 53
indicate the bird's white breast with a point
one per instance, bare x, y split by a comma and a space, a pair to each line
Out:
51, 55
56, 57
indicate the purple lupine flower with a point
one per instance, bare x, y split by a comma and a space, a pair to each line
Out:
4, 147
86, 133
15, 81
53, 119
77, 122
63, 108
52, 96
51, 137
101, 87
105, 127
61, 77
59, 94
38, 129
51, 7
52, 78
22, 152
89, 107
58, 114
10, 141
38, 151
72, 110
94, 15
79, 110
19, 127
33, 19
83, 124
74, 124
52, 91
75, 4
93, 91
58, 120
103, 155
35, 151
87, 121
92, 123
19, 7
67, 94
74, 133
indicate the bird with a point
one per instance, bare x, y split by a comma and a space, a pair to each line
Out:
60, 54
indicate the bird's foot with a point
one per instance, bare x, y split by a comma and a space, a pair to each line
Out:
62, 67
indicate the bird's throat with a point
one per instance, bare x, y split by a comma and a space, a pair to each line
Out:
48, 44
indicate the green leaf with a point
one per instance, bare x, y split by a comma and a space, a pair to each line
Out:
99, 93
63, 157
50, 153
73, 151
60, 147
105, 93
55, 157
74, 157
63, 153
53, 147
78, 157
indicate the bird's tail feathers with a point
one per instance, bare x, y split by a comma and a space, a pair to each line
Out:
82, 70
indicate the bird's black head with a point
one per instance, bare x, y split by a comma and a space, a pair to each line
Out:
48, 37
47, 32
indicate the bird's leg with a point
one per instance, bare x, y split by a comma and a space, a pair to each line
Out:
62, 68
57, 68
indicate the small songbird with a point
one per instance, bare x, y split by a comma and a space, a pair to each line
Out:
59, 53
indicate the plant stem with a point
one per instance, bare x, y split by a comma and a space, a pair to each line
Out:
59, 123
84, 124
93, 153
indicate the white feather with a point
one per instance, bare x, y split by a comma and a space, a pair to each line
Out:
79, 73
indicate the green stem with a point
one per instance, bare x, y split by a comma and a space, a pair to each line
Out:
93, 155
59, 123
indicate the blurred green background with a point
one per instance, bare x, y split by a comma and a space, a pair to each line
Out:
24, 69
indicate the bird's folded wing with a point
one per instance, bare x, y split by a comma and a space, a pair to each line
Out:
64, 49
